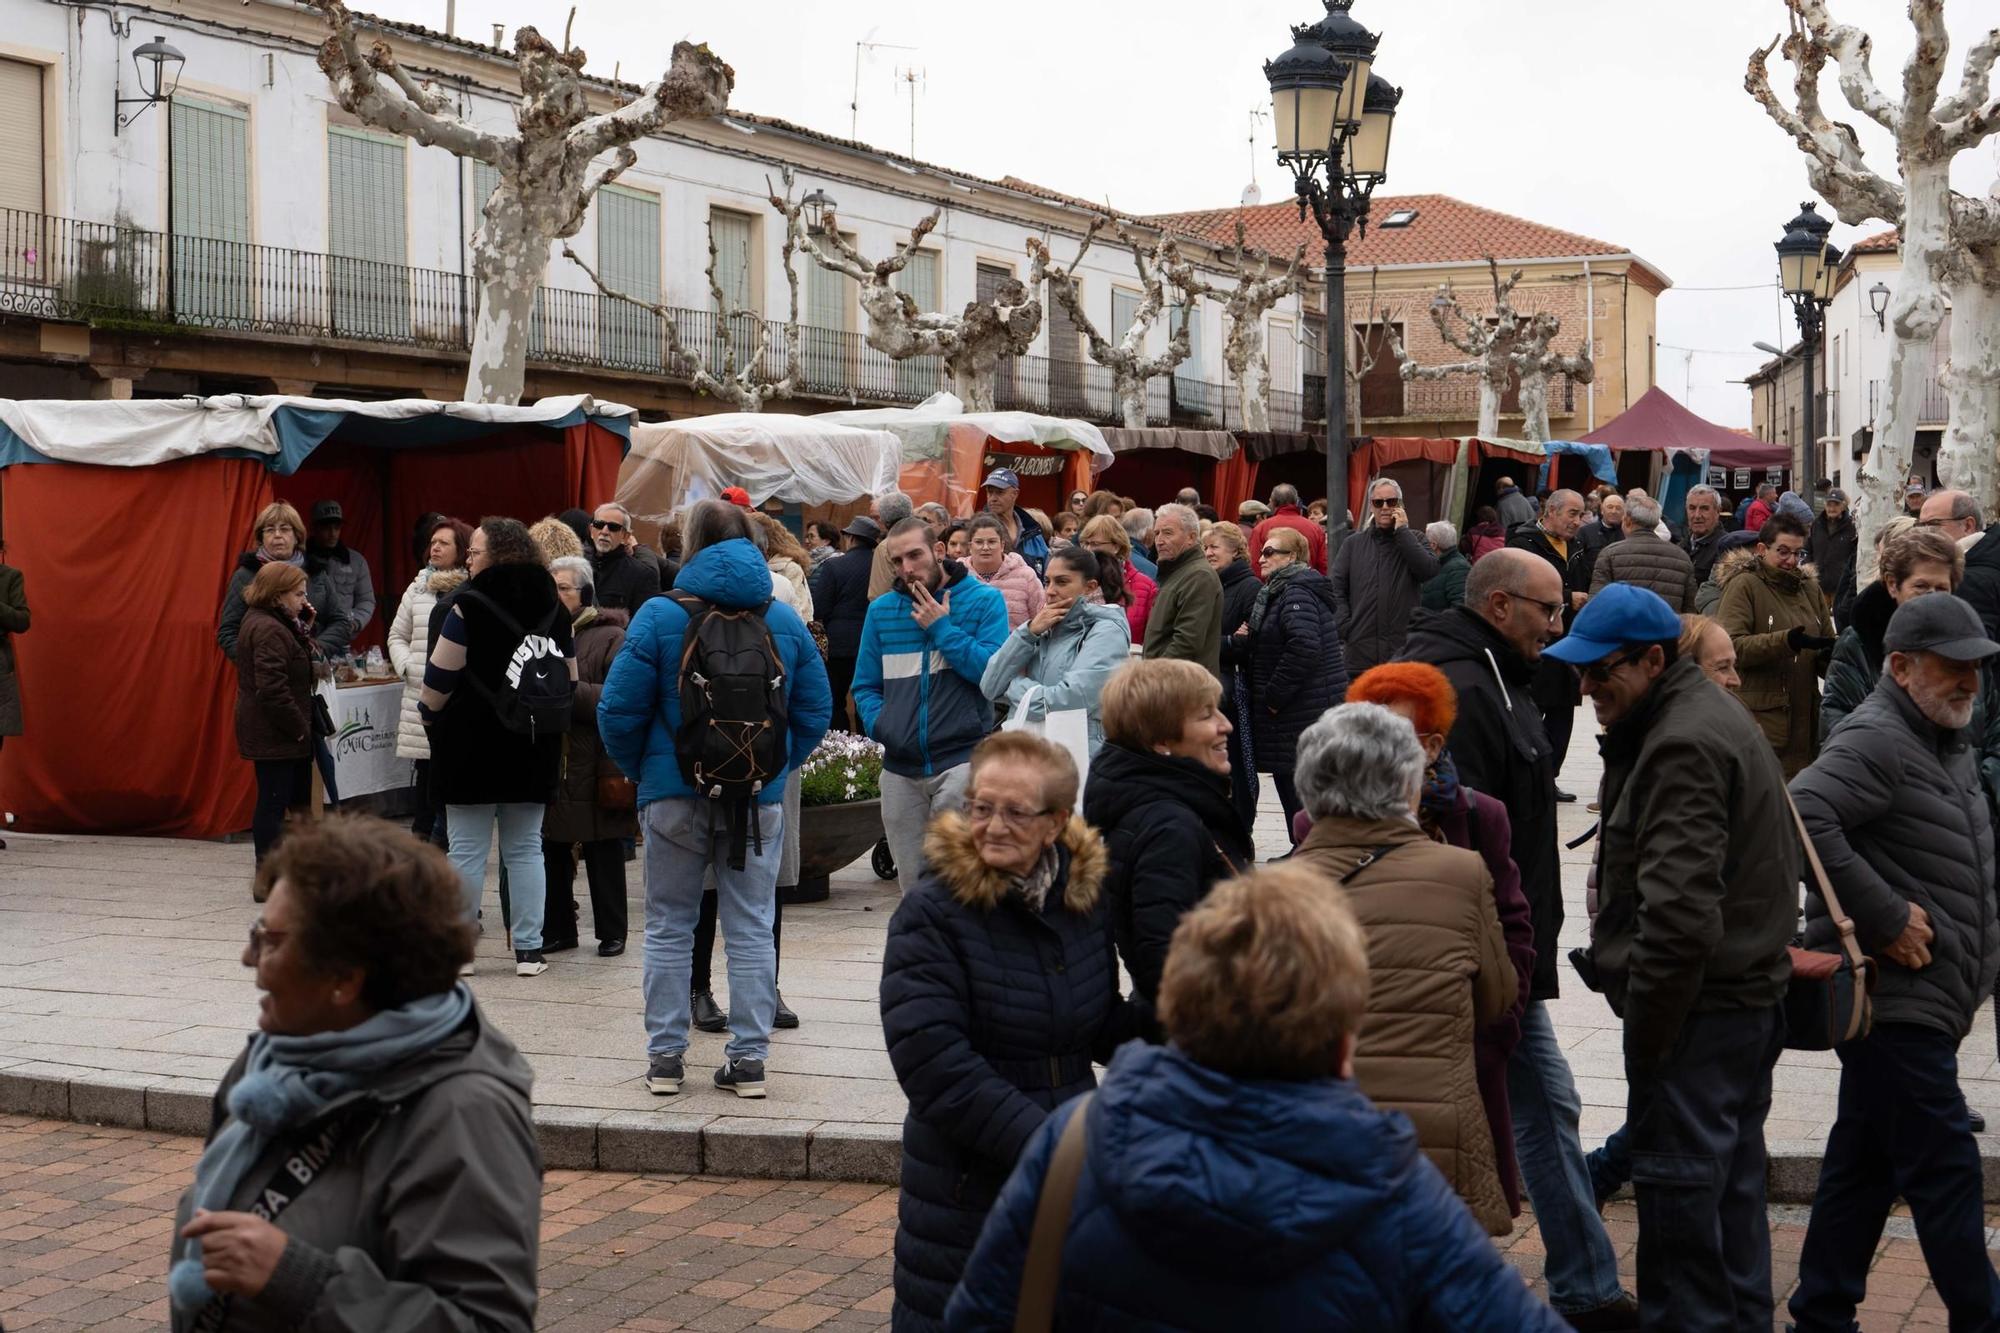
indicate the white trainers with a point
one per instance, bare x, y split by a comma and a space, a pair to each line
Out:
529, 963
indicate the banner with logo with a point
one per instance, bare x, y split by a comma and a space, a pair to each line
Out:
365, 718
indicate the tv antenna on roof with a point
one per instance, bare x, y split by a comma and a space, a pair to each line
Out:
1253, 193
914, 77
854, 106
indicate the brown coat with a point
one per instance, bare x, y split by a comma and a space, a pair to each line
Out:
1759, 609
1438, 970
574, 815
274, 686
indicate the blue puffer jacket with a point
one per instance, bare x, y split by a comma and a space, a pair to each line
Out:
992, 1013
1215, 1204
917, 688
640, 708
1066, 668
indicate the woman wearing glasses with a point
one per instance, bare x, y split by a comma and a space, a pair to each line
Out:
999, 989
371, 1072
1297, 668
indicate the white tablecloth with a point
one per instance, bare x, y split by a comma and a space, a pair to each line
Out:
364, 738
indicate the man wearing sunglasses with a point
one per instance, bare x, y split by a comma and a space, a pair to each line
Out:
623, 580
1695, 835
1378, 580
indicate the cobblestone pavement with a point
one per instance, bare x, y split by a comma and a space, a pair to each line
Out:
85, 1215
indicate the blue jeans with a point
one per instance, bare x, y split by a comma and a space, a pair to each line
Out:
470, 828
1581, 1268
1611, 1165
684, 839
1901, 1130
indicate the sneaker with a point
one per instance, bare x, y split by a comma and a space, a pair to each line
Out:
787, 1019
1617, 1317
708, 1015
745, 1078
467, 969
529, 963
664, 1074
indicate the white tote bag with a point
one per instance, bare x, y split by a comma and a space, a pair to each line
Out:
1068, 727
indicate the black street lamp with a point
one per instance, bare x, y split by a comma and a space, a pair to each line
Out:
816, 206
159, 66
1807, 270
1333, 112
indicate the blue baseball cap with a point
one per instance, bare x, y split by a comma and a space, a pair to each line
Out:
1620, 615
1001, 479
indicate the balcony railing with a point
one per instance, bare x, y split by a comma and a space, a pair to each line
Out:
61, 269
1827, 415
1935, 409
1426, 400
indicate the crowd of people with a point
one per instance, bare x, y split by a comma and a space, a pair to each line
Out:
1328, 1083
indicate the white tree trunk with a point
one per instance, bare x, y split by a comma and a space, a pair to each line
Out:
1968, 461
1489, 410
973, 383
509, 258
1535, 407
1130, 391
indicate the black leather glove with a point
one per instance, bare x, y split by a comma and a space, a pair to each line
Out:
1799, 641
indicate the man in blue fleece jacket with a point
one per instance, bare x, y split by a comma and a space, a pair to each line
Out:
924, 646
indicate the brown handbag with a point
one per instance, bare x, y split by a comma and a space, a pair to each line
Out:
1041, 1275
1828, 1001
616, 793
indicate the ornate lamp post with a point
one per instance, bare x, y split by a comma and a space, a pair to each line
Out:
1333, 113
1807, 269
159, 66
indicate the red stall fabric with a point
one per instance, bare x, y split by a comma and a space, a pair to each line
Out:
129, 705
356, 476
1371, 456
1233, 481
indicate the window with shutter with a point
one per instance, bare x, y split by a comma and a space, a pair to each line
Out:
1066, 394
1194, 396
920, 377
628, 259
1281, 349
211, 214
826, 344
22, 228
1124, 309
733, 235
1381, 383
988, 279
367, 234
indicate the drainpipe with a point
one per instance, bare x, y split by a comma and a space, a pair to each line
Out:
1590, 344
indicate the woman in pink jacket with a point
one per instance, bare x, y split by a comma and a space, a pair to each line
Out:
996, 566
1106, 536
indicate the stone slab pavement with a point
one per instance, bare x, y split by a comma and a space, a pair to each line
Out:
123, 999
87, 1211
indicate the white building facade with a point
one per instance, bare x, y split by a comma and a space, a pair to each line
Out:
1852, 375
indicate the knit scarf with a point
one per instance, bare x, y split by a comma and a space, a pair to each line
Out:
1274, 583
1035, 885
286, 1083
1440, 794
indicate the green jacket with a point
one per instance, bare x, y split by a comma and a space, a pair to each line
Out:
1186, 619
1759, 609
1697, 864
1857, 665
1446, 588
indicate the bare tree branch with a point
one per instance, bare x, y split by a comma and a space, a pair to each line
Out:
411, 112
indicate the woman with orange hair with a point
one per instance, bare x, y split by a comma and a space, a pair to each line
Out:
1456, 814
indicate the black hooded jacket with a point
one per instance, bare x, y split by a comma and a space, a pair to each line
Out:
1501, 748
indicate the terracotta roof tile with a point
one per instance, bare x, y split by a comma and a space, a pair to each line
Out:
1445, 230
1883, 242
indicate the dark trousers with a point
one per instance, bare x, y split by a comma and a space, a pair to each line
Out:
1901, 1129
1554, 689
1243, 778
1697, 1138
604, 867
283, 786
429, 823
840, 679
1288, 798
323, 756
704, 941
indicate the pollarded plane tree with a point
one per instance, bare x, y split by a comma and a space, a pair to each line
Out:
973, 344
1501, 347
1950, 243
741, 380
1159, 268
1256, 293
548, 165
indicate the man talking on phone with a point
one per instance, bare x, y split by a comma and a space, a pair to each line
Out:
924, 646
1378, 580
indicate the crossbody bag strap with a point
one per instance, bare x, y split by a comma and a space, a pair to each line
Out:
1041, 1275
1369, 858
1841, 921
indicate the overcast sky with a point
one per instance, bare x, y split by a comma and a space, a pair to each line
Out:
1624, 121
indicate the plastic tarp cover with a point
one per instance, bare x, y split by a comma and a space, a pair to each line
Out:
281, 429
925, 429
772, 455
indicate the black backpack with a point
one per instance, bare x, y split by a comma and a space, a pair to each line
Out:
535, 696
735, 729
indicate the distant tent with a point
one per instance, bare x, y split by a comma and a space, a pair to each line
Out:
1657, 422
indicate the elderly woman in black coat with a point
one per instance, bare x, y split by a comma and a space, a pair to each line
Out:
1297, 670
999, 989
1227, 551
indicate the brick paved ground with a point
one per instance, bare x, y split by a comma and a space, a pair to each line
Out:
84, 1217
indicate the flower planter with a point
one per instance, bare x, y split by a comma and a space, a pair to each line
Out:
832, 837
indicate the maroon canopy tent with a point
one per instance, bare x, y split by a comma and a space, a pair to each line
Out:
1656, 421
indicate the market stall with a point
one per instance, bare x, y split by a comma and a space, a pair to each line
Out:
1156, 462
807, 461
947, 452
364, 736
126, 519
1691, 449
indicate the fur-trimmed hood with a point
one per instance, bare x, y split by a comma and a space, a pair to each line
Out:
443, 581
948, 847
1731, 563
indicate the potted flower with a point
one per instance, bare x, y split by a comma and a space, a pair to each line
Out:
840, 810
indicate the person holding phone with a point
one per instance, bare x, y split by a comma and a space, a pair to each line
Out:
1378, 579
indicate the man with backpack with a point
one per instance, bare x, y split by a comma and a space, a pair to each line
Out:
924, 647
498, 688
718, 693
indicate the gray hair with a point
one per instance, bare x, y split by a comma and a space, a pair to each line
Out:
1441, 535
893, 508
1705, 492
625, 513
1180, 516
934, 513
1138, 522
1964, 506
1642, 513
1390, 482
576, 565
1284, 494
1359, 761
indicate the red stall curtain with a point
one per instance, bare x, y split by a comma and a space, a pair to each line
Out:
129, 705
1234, 481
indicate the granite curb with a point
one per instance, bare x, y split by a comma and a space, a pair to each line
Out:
666, 1141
